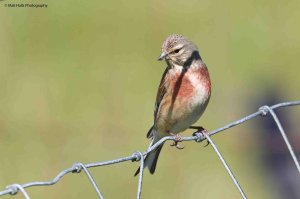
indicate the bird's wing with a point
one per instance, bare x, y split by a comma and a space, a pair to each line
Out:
160, 92
160, 95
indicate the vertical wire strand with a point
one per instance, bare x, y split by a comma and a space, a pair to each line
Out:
24, 192
139, 191
226, 166
289, 146
78, 167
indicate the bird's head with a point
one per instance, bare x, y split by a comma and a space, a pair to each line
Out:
177, 49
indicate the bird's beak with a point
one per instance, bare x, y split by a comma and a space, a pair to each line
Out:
162, 56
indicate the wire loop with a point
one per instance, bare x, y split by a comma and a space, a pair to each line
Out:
137, 156
264, 110
14, 189
199, 136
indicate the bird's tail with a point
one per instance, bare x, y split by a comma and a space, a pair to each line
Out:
150, 160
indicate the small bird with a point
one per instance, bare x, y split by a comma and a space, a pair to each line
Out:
182, 95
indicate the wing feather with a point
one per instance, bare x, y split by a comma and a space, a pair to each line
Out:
160, 93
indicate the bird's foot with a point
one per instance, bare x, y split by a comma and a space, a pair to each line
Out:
200, 129
177, 139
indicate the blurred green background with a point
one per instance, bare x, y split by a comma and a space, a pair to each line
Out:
78, 82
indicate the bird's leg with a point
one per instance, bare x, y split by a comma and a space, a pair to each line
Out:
177, 139
201, 130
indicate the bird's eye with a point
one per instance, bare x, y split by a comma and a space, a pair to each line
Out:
177, 50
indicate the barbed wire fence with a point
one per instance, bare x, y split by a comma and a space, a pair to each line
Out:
198, 136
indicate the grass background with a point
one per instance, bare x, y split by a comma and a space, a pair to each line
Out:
78, 82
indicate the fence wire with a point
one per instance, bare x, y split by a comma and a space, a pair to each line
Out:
198, 136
